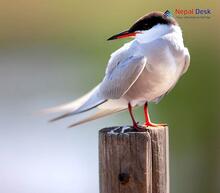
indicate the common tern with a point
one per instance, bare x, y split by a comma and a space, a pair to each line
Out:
141, 71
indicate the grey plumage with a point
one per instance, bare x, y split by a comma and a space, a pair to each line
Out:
143, 70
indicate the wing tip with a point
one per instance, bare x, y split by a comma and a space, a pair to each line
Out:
60, 117
71, 126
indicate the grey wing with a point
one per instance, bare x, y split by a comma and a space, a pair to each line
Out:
118, 81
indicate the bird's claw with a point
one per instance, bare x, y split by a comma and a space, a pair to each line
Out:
149, 124
139, 128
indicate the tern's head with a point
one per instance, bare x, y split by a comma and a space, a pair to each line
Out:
146, 23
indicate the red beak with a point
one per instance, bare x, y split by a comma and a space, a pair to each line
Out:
123, 34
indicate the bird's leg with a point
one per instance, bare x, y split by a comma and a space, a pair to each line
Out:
148, 122
135, 124
146, 114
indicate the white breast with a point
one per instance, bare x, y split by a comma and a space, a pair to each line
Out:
165, 62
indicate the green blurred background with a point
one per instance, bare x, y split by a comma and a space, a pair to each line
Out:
52, 52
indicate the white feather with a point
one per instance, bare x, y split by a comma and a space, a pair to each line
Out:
117, 81
141, 70
72, 106
108, 108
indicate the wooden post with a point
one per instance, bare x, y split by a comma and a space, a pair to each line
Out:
134, 162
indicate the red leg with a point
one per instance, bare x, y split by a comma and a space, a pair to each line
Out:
135, 125
148, 122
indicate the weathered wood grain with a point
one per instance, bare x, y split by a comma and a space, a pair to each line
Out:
134, 162
160, 159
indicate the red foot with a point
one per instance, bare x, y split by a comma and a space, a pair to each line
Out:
135, 124
138, 128
149, 124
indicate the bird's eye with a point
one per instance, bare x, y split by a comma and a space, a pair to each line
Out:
145, 26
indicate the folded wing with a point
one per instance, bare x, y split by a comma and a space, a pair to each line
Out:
118, 81
114, 85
